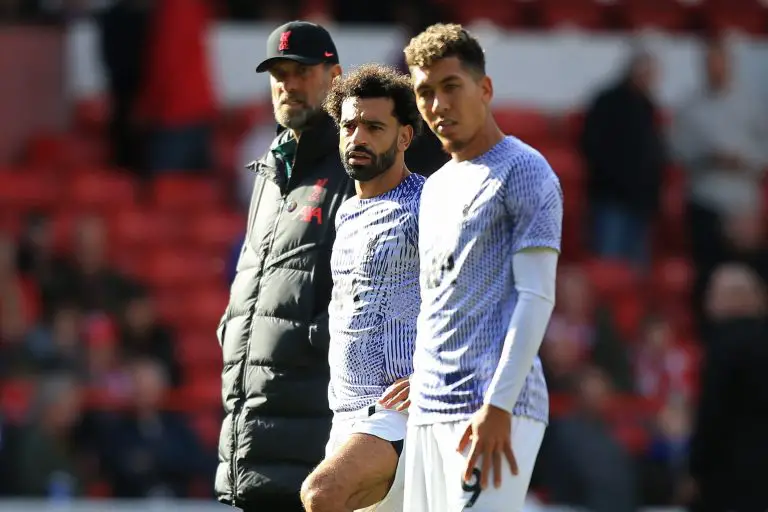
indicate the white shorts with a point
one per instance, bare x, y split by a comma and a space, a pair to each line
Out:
434, 469
382, 423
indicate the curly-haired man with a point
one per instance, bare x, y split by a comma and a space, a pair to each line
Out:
375, 299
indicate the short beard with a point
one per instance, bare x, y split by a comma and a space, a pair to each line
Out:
379, 163
296, 121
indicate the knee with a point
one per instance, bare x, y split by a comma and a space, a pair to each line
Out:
318, 497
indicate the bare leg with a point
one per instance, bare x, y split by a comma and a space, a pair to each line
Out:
357, 476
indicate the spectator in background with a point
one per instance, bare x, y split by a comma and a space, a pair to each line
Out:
122, 30
720, 140
583, 464
142, 336
36, 253
625, 158
106, 370
57, 344
665, 478
47, 458
663, 368
744, 239
87, 279
177, 101
18, 307
729, 450
581, 331
148, 451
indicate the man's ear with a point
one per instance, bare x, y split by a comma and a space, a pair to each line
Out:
335, 72
404, 137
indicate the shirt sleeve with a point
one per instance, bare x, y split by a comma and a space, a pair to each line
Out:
535, 202
535, 275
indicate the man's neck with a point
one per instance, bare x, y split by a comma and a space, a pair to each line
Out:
486, 138
382, 184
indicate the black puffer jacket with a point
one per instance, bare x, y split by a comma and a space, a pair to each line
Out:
274, 334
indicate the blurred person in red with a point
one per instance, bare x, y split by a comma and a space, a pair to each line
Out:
623, 148
582, 463
177, 104
142, 335
48, 460
720, 140
274, 333
106, 370
581, 331
664, 369
122, 31
146, 450
729, 449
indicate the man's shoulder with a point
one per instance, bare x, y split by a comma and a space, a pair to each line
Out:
526, 163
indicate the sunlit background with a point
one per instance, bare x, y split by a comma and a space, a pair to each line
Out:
124, 130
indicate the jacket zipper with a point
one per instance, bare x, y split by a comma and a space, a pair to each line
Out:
238, 406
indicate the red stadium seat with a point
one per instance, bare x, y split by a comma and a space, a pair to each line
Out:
15, 399
628, 310
203, 309
202, 395
181, 269
92, 114
530, 125
27, 190
586, 14
102, 190
140, 228
185, 193
673, 279
748, 16
566, 163
612, 278
658, 14
635, 438
207, 426
503, 13
573, 125
199, 354
65, 151
216, 230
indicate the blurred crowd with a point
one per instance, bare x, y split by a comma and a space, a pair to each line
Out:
80, 334
670, 266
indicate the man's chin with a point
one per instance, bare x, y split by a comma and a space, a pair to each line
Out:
361, 173
293, 118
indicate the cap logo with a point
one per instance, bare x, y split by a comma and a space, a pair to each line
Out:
284, 37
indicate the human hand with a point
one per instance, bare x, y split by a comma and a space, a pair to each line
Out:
396, 396
489, 434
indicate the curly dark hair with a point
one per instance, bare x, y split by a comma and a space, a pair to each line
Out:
376, 81
441, 41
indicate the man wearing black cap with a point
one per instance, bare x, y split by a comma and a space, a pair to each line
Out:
274, 333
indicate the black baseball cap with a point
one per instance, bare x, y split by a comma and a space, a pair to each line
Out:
300, 41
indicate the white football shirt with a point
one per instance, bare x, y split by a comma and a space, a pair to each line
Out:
474, 216
375, 301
